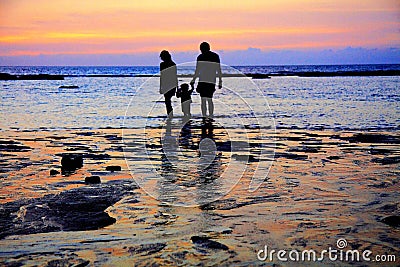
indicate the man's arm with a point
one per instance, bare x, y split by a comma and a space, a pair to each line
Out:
161, 69
219, 73
175, 69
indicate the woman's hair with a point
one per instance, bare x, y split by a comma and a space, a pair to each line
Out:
165, 55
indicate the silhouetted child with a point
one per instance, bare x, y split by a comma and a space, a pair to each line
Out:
185, 94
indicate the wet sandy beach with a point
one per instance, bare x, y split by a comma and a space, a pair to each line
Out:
322, 186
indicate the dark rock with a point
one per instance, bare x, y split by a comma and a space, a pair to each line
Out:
93, 180
258, 76
393, 220
389, 208
96, 156
383, 184
13, 146
348, 73
290, 156
85, 133
227, 231
153, 146
147, 249
54, 172
295, 138
6, 76
206, 242
252, 126
71, 162
112, 137
387, 160
380, 151
113, 168
58, 137
372, 138
304, 149
68, 87
78, 209
333, 157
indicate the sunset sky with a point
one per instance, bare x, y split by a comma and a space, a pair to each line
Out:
90, 32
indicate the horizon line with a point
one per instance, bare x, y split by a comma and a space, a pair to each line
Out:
232, 65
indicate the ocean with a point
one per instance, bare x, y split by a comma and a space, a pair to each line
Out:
112, 97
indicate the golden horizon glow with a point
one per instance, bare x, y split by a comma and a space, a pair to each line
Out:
33, 27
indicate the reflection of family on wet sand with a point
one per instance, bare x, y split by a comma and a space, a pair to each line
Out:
207, 69
194, 142
191, 165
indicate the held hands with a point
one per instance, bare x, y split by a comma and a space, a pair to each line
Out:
219, 84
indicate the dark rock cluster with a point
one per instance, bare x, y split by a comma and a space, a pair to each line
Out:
73, 210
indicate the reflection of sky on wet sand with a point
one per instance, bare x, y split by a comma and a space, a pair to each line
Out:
337, 190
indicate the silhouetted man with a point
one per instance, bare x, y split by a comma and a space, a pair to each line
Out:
208, 67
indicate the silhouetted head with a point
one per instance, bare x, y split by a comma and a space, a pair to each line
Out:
165, 55
204, 47
185, 87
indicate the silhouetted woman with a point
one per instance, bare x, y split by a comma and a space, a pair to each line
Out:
168, 80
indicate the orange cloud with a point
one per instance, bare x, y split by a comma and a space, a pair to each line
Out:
125, 26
